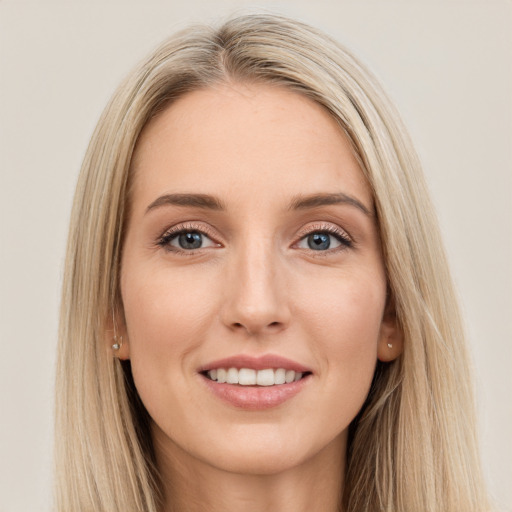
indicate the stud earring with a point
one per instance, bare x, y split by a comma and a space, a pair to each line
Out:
118, 340
118, 343
390, 345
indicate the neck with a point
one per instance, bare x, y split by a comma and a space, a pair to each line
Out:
192, 485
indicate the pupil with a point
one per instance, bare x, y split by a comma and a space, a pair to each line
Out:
190, 240
319, 241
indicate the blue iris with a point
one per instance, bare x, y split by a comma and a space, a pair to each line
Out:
190, 240
319, 241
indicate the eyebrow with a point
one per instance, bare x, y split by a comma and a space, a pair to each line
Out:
203, 201
208, 202
315, 200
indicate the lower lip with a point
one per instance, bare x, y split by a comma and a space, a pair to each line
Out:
256, 397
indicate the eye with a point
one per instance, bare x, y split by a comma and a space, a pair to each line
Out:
189, 240
324, 240
186, 240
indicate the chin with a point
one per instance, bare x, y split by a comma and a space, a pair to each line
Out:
257, 462
268, 452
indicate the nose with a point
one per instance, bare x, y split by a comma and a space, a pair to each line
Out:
256, 302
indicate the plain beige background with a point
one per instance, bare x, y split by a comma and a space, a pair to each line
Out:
448, 66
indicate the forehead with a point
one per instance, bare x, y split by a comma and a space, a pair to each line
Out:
234, 137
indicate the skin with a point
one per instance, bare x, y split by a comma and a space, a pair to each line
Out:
254, 287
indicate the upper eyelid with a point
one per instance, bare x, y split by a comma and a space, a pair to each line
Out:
325, 227
187, 226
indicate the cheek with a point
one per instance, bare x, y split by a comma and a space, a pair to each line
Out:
162, 308
347, 316
345, 324
166, 319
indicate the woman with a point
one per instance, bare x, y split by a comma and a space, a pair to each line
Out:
257, 309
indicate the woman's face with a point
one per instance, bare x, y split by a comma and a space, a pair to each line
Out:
251, 254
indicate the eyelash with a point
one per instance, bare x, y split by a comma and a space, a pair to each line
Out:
340, 235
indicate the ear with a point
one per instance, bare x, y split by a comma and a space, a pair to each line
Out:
391, 338
116, 337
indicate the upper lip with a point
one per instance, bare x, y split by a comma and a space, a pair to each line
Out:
256, 363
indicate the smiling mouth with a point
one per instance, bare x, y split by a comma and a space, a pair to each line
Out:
250, 377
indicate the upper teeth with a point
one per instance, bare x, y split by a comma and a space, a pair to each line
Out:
250, 377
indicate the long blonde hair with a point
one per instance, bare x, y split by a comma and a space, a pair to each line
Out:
412, 446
